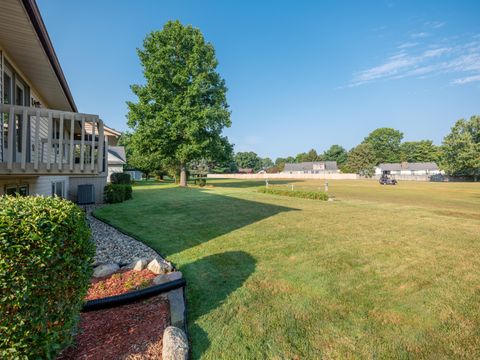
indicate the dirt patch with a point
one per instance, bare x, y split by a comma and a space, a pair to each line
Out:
119, 283
131, 332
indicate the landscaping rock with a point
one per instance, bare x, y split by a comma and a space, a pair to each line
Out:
175, 344
138, 265
114, 246
164, 278
177, 307
159, 266
105, 270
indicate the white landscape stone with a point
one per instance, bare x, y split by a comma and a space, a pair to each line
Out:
159, 266
164, 278
175, 344
138, 264
105, 270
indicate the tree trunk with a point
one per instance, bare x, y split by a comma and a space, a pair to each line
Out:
183, 175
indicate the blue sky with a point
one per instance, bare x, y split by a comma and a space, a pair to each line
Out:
301, 74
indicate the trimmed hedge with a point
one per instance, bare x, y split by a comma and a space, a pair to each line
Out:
314, 195
45, 267
120, 178
200, 182
116, 193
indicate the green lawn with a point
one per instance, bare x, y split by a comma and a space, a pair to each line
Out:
383, 272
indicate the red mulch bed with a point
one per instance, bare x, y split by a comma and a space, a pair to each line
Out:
119, 283
130, 332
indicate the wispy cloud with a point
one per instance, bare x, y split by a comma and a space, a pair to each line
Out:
407, 45
466, 80
419, 60
419, 35
435, 24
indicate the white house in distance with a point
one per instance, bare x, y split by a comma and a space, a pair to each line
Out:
46, 146
315, 167
410, 169
116, 157
116, 160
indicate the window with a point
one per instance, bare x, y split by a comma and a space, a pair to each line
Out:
19, 100
7, 87
58, 188
7, 99
14, 189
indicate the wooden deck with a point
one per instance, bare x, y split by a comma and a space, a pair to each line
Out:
46, 141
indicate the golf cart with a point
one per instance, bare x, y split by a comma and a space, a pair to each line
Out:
387, 179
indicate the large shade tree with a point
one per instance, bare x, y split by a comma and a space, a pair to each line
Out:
419, 151
182, 107
248, 160
336, 153
385, 143
309, 156
461, 148
361, 160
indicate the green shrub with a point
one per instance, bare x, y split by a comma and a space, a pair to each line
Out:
120, 178
314, 195
45, 267
200, 182
116, 193
128, 192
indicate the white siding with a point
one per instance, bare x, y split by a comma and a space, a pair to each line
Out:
114, 169
98, 182
43, 185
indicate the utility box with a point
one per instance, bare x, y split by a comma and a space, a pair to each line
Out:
86, 194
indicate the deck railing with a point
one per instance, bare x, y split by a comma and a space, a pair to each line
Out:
46, 141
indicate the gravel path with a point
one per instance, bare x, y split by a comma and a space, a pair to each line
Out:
114, 246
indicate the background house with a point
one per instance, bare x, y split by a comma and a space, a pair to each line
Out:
135, 174
408, 169
315, 167
116, 160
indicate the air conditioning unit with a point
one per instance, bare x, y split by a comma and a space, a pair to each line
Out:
86, 194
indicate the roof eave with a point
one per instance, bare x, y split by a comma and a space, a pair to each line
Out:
39, 26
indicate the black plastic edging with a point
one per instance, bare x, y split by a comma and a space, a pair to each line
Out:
118, 300
92, 304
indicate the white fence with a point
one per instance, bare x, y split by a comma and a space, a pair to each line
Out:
285, 176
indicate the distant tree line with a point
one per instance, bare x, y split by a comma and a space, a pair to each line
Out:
459, 154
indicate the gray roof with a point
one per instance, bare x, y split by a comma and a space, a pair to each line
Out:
117, 155
306, 166
409, 166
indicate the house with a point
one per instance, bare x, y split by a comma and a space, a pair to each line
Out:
116, 158
315, 167
135, 174
45, 146
245, 171
406, 168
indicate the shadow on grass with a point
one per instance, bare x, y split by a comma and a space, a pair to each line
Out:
172, 219
210, 281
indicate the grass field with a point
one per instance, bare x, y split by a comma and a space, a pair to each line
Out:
382, 272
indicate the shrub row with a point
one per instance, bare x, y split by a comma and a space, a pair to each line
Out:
116, 193
120, 178
200, 181
45, 267
315, 195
